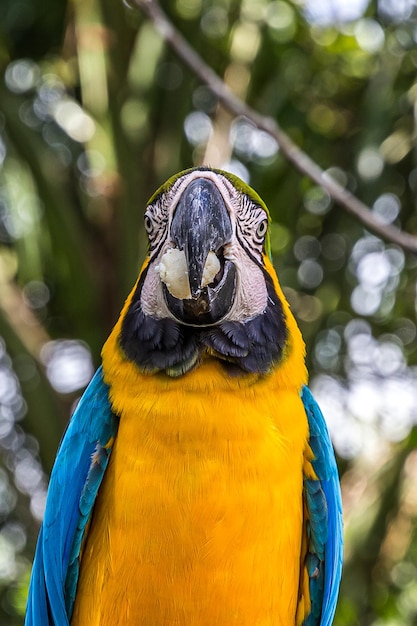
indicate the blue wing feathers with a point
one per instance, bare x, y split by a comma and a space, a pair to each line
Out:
324, 505
317, 508
81, 462
92, 484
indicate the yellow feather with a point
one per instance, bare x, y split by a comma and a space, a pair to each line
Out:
199, 518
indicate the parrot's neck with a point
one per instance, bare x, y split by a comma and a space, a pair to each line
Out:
209, 376
290, 372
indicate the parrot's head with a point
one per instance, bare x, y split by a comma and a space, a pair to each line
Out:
207, 285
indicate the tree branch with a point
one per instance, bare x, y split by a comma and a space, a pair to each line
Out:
289, 149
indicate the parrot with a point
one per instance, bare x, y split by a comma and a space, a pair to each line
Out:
196, 483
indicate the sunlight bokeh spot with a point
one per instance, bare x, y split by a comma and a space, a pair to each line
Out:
317, 200
370, 163
36, 294
189, 9
68, 364
374, 269
249, 141
325, 13
214, 22
198, 128
22, 75
369, 35
397, 10
387, 207
365, 302
307, 247
310, 274
234, 166
280, 17
77, 123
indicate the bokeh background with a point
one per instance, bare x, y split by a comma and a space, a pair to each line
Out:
95, 113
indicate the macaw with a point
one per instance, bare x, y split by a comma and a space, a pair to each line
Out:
196, 484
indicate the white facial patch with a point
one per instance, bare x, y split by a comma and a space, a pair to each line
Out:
251, 297
172, 271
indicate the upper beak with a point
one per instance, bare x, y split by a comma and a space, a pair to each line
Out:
201, 224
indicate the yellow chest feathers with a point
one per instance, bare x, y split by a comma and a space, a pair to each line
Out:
199, 518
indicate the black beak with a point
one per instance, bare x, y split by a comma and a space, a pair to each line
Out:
201, 223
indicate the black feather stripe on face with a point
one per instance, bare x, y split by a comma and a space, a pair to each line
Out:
167, 345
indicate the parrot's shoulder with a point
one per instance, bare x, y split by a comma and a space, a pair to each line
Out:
324, 524
81, 461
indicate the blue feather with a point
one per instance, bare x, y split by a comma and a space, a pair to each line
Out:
325, 525
81, 461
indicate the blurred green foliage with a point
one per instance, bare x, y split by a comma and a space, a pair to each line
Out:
95, 113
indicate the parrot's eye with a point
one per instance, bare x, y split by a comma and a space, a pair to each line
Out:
148, 224
261, 229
